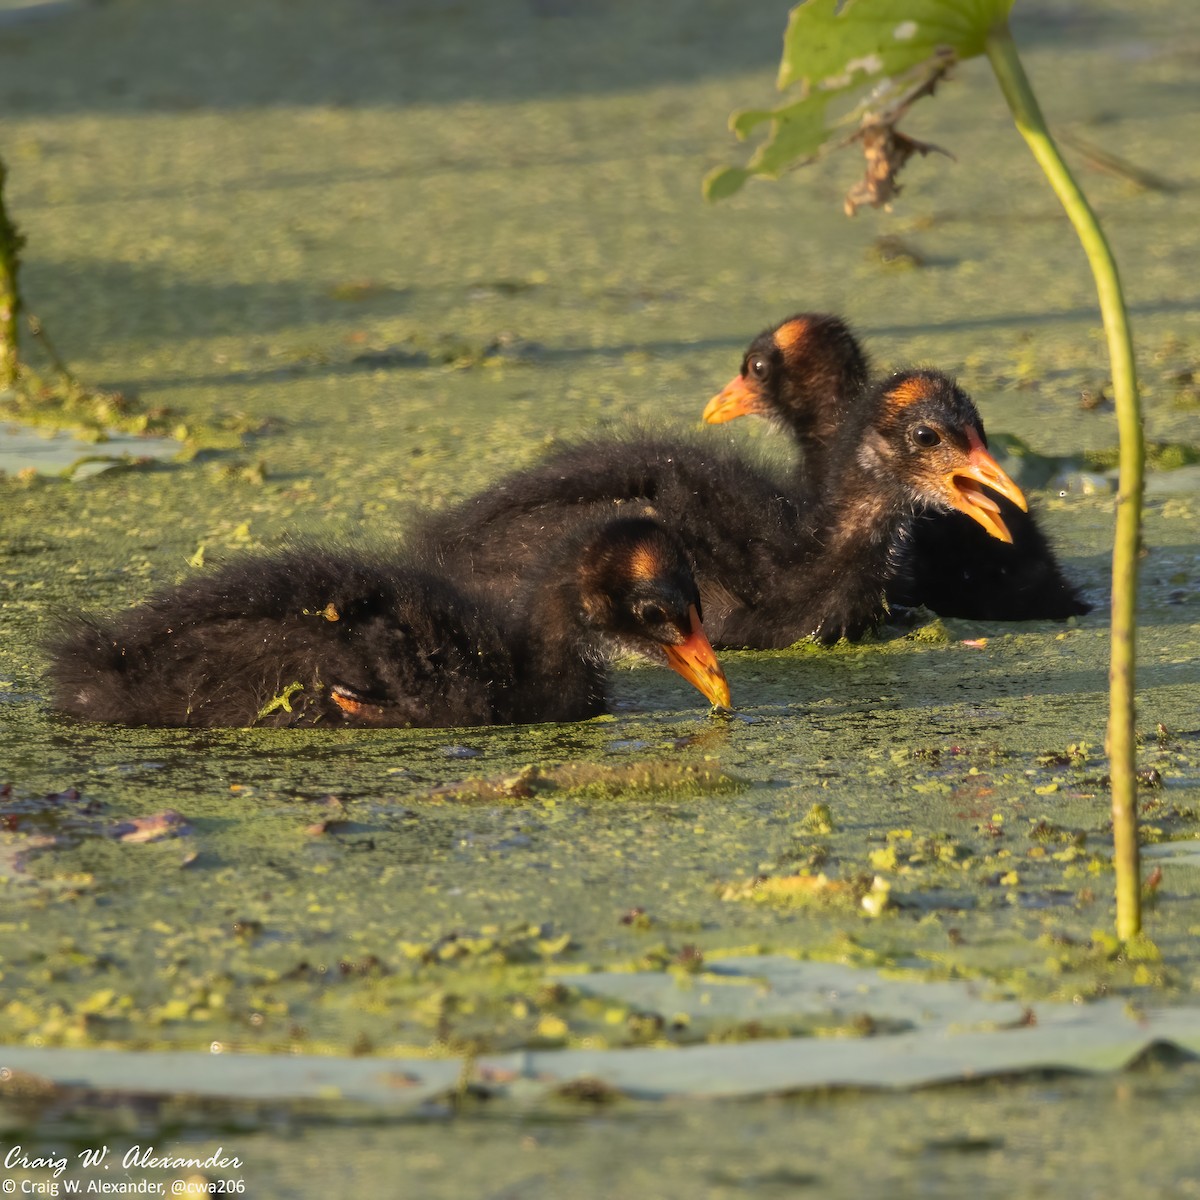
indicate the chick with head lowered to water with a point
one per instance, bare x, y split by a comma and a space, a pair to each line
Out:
313, 636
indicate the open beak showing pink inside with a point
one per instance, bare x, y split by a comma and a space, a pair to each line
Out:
694, 659
738, 398
965, 489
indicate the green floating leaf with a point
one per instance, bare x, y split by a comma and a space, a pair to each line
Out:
830, 50
798, 131
724, 181
945, 1031
744, 123
767, 987
837, 48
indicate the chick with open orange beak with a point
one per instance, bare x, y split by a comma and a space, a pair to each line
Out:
968, 488
930, 435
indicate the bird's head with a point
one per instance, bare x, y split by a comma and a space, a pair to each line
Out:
925, 434
636, 585
797, 373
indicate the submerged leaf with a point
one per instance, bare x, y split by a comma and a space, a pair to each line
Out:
154, 828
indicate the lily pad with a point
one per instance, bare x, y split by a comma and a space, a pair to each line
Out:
24, 449
1177, 854
1098, 1037
13, 12
752, 988
382, 1082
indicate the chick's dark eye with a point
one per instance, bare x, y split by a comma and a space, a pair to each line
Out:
756, 367
651, 614
926, 437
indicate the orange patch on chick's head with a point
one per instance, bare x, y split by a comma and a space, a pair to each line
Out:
908, 392
790, 335
644, 563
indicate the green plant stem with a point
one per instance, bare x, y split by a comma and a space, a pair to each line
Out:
1122, 751
10, 297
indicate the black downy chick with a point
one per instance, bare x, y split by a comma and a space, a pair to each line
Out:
913, 444
805, 375
314, 636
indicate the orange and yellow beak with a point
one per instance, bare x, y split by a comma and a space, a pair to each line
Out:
738, 398
965, 493
694, 659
